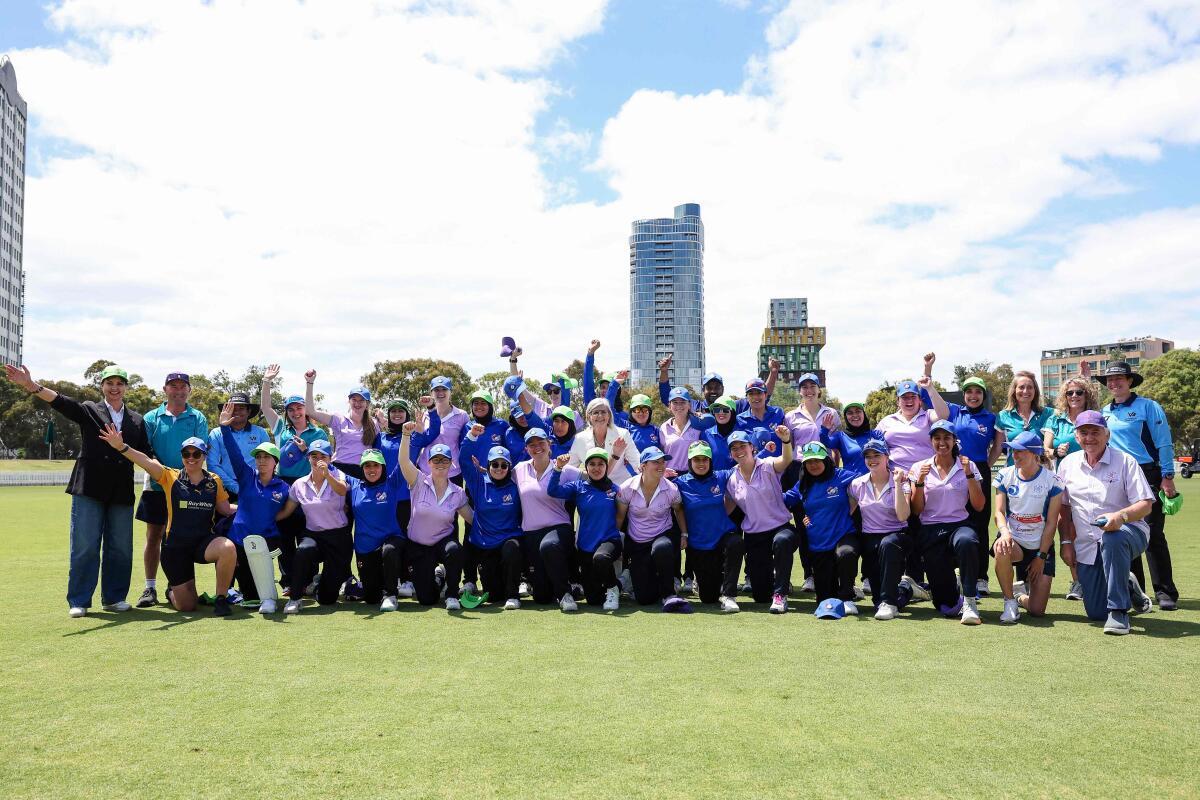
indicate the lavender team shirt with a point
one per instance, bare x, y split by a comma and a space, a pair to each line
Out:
433, 517
324, 510
878, 510
648, 520
908, 440
761, 499
805, 430
347, 439
946, 496
675, 444
452, 424
538, 509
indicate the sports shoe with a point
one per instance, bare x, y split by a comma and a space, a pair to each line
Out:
149, 598
292, 607
850, 608
1117, 623
311, 589
866, 586
577, 591
267, 606
918, 590
235, 597
860, 593
512, 604
1019, 588
746, 588
970, 612
1075, 591
1011, 613
981, 587
406, 589
808, 586
1166, 602
1141, 601
678, 585
439, 577
221, 607
567, 603
886, 611
353, 590
77, 611
525, 590
612, 598
626, 581
388, 604
452, 604
120, 605
778, 604
689, 586
728, 605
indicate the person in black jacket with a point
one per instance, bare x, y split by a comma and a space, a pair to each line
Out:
101, 489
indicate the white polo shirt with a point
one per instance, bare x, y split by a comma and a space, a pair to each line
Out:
1116, 482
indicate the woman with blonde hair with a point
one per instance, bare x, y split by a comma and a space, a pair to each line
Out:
602, 431
1058, 437
1024, 410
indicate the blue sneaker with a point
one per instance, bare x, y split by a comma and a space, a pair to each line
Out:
1117, 623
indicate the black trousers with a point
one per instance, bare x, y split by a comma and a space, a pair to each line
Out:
941, 544
789, 478
334, 548
549, 559
597, 570
769, 556
652, 566
380, 569
894, 550
981, 521
424, 559
717, 570
834, 570
499, 568
914, 565
245, 578
868, 551
1157, 553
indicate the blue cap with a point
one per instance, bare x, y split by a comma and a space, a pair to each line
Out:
1025, 440
830, 608
362, 392
178, 376
515, 411
809, 376
712, 376
756, 385
952, 610
738, 436
292, 399
440, 449
651, 454
499, 453
511, 384
196, 442
535, 433
441, 382
878, 445
942, 425
319, 446
907, 387
679, 393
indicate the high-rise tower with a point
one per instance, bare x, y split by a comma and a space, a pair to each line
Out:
13, 112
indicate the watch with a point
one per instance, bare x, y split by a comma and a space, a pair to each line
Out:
1043, 555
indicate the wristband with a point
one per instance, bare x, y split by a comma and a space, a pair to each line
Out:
38, 389
1066, 542
124, 449
920, 485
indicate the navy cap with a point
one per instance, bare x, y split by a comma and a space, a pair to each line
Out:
499, 453
319, 446
907, 387
196, 442
712, 376
535, 433
679, 393
1025, 440
830, 608
651, 454
515, 411
441, 382
440, 449
756, 385
178, 376
941, 425
809, 376
738, 436
878, 445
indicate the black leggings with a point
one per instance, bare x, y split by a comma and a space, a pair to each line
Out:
380, 569
499, 567
334, 548
424, 558
769, 561
717, 570
598, 573
834, 570
652, 566
981, 521
550, 558
245, 578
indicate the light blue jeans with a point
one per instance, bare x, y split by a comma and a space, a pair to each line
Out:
95, 525
1106, 582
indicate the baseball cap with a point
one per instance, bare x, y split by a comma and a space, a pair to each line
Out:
515, 411
535, 433
830, 608
975, 381
113, 371
441, 382
196, 442
564, 412
941, 425
639, 401
738, 436
178, 376
595, 452
400, 403
1091, 418
907, 387
679, 393
499, 453
712, 376
319, 446
699, 449
756, 385
484, 396
809, 376
854, 404
372, 456
362, 392
651, 454
508, 346
1025, 440
725, 401
266, 447
814, 451
878, 445
293, 398
440, 449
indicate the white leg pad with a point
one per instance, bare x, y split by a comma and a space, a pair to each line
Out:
259, 559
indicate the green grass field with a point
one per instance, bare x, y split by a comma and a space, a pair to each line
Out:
36, 465
535, 703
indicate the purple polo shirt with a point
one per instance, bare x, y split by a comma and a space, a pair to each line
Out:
909, 441
675, 444
805, 430
946, 496
324, 510
452, 425
431, 520
538, 509
347, 439
878, 512
761, 498
1115, 482
648, 520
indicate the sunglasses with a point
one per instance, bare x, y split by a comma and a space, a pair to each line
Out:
1075, 393
498, 465
721, 410
192, 454
439, 460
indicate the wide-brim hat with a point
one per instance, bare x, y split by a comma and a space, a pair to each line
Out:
1119, 369
241, 398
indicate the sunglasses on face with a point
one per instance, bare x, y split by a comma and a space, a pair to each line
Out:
499, 465
192, 454
1075, 393
721, 411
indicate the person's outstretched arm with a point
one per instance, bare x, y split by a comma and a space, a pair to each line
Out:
310, 407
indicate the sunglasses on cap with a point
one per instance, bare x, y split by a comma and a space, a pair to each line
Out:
190, 453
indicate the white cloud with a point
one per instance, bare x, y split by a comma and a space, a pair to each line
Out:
330, 184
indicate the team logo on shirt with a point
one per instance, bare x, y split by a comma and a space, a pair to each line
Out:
610, 494
1028, 519
495, 437
1131, 414
1012, 491
716, 490
381, 497
832, 491
276, 495
507, 498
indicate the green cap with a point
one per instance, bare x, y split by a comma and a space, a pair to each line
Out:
485, 397
640, 401
973, 381
595, 452
472, 600
372, 457
113, 371
400, 403
266, 447
564, 412
814, 451
726, 401
1171, 505
608, 377
699, 449
855, 404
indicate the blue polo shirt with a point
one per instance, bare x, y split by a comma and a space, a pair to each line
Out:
850, 447
827, 506
597, 509
704, 507
221, 457
374, 507
976, 430
167, 433
257, 504
1139, 427
772, 416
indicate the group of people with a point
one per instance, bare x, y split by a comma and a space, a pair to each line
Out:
459, 506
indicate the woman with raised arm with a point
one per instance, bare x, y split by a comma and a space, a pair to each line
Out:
353, 432
1058, 436
595, 498
322, 496
681, 429
649, 501
194, 497
548, 540
601, 432
641, 428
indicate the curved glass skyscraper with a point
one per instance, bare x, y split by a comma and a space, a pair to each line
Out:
666, 297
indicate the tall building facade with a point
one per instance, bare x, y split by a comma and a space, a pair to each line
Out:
666, 297
1062, 364
791, 340
13, 112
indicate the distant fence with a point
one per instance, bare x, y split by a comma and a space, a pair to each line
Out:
34, 478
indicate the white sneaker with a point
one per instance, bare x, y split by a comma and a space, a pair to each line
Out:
1019, 588
612, 598
292, 607
452, 604
77, 611
866, 587
567, 603
267, 606
970, 612
406, 589
850, 608
233, 596
689, 586
525, 590
919, 592
886, 611
779, 604
388, 604
1011, 613
512, 604
860, 593
1075, 591
981, 588
120, 605
808, 586
728, 605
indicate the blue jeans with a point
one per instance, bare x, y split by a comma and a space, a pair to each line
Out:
1106, 582
95, 524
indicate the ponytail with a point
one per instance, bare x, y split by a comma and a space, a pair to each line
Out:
368, 426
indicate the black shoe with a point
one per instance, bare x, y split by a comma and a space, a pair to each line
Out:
221, 607
1165, 603
149, 598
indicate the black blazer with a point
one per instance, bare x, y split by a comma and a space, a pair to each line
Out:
100, 472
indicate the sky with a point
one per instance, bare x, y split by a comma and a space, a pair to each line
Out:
328, 184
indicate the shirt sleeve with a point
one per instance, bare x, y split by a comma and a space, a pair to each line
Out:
1160, 433
167, 477
589, 380
222, 492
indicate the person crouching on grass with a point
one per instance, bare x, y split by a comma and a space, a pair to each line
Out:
194, 497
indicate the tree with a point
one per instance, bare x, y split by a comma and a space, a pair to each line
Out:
880, 402
997, 380
23, 419
1173, 380
494, 382
409, 378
